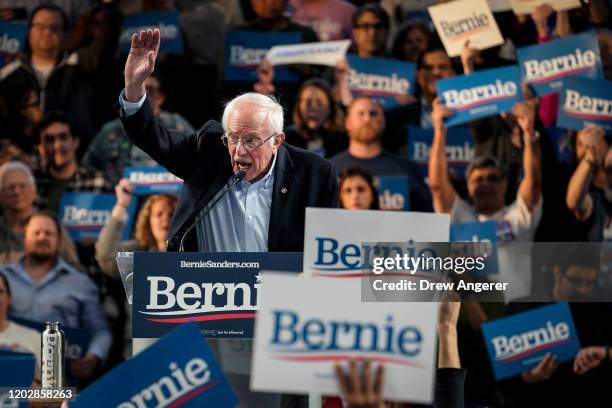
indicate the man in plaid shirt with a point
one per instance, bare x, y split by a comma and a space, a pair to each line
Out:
60, 170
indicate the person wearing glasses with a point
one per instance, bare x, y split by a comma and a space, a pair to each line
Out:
584, 380
244, 189
486, 185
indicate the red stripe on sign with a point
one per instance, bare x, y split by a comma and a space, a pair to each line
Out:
484, 101
561, 75
193, 393
222, 316
534, 350
315, 358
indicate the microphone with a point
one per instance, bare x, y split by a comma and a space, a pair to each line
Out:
209, 207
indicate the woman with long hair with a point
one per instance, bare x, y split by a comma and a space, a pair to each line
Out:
318, 122
357, 190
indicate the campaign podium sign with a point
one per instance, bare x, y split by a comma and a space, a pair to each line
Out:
484, 234
16, 371
12, 39
84, 214
244, 50
465, 20
519, 342
585, 102
77, 339
219, 291
544, 66
393, 193
152, 180
481, 94
168, 22
333, 237
384, 79
298, 340
459, 149
178, 370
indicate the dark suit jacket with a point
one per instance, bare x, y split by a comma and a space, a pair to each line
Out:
301, 178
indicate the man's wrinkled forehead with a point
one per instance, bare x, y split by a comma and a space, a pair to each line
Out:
246, 117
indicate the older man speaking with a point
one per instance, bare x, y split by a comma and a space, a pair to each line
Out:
244, 188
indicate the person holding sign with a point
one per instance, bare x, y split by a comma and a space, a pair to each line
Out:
585, 381
243, 187
487, 184
588, 189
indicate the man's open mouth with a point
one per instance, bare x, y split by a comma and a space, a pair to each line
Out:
243, 166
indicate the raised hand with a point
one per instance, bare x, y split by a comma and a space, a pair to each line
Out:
140, 62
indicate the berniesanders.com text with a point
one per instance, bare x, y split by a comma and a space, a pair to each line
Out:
219, 264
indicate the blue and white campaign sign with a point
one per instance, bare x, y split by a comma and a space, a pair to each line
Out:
393, 193
12, 39
461, 20
177, 371
298, 341
77, 339
316, 53
544, 66
84, 214
333, 237
585, 102
169, 26
244, 50
485, 235
519, 342
459, 149
16, 371
152, 180
217, 290
481, 94
381, 78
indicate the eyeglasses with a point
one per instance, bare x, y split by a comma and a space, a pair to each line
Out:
249, 143
366, 26
491, 178
580, 281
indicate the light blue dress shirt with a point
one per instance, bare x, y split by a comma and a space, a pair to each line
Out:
239, 222
64, 295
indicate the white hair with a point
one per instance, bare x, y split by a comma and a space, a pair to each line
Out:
266, 105
16, 166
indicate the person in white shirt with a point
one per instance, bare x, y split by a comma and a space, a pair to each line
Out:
15, 337
487, 184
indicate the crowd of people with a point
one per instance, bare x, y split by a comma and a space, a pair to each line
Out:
60, 132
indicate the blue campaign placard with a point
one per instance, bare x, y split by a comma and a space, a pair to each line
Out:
152, 180
84, 214
217, 290
393, 193
244, 50
178, 370
169, 26
77, 339
12, 39
517, 343
544, 66
485, 235
16, 371
481, 94
459, 148
584, 102
382, 78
